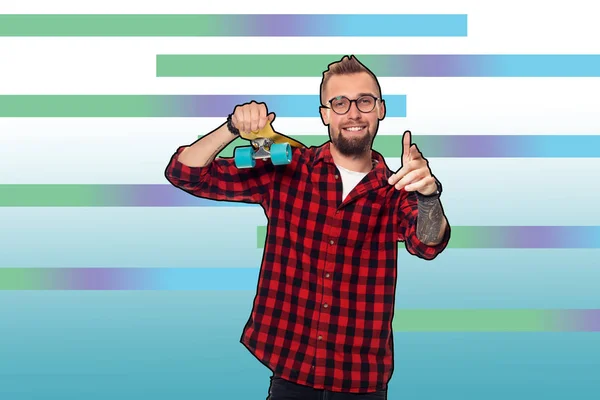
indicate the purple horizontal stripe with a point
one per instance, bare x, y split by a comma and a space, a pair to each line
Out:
583, 320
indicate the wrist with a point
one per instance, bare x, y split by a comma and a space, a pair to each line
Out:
433, 195
232, 129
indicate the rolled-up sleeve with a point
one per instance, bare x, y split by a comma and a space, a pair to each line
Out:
222, 180
407, 223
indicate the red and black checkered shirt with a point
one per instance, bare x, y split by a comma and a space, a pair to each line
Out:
323, 312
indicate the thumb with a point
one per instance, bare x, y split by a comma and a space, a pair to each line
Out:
271, 117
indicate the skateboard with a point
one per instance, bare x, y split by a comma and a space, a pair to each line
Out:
266, 143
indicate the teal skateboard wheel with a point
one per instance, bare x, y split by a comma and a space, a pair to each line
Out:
281, 153
243, 157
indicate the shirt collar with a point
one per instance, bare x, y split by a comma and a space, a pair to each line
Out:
380, 168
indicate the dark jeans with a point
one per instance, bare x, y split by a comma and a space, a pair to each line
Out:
282, 389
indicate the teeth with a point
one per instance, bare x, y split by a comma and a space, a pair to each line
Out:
354, 128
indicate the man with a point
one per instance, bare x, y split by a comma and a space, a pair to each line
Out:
322, 317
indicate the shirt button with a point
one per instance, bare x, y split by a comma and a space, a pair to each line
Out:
331, 242
325, 305
320, 337
337, 176
327, 275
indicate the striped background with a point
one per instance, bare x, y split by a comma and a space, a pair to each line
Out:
114, 284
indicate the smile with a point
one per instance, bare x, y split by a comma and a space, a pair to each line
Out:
354, 128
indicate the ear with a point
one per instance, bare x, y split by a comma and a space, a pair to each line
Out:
381, 110
325, 115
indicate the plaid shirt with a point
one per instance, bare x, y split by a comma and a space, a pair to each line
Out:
323, 312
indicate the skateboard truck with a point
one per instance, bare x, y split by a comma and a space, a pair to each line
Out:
262, 147
265, 143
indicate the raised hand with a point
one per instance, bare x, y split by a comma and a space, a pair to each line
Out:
414, 175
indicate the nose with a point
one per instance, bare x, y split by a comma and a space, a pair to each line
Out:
353, 112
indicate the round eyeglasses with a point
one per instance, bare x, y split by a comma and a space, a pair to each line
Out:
341, 104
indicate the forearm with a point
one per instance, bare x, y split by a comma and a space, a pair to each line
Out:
431, 221
204, 151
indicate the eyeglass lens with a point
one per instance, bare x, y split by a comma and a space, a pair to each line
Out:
341, 104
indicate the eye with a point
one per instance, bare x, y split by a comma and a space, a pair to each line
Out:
340, 102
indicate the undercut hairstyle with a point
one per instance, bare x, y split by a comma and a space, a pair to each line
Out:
346, 66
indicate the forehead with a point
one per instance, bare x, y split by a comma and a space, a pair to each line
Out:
351, 86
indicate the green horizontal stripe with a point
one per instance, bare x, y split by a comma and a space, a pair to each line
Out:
24, 106
113, 25
52, 195
218, 65
475, 320
24, 278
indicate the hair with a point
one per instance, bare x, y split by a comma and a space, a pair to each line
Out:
346, 66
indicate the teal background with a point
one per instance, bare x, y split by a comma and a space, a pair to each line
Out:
155, 345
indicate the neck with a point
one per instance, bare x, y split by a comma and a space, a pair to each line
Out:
358, 163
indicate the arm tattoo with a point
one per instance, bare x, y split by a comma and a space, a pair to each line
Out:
215, 153
430, 220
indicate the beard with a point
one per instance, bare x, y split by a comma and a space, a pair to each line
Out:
352, 145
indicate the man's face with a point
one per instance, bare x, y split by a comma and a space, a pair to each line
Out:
353, 132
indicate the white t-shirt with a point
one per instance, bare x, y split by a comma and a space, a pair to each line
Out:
349, 179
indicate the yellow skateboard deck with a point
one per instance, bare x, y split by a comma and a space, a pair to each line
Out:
267, 132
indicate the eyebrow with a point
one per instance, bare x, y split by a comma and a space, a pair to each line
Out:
360, 94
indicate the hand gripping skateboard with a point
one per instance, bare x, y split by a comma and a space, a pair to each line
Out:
266, 143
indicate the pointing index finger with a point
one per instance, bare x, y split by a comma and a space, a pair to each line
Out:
406, 140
